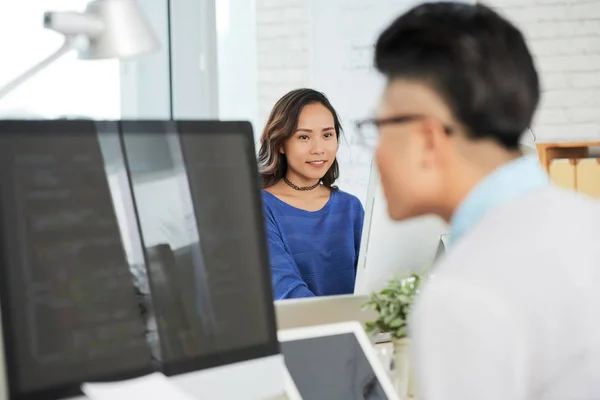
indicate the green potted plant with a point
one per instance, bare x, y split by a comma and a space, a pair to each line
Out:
393, 305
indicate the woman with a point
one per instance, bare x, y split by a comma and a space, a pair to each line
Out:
313, 228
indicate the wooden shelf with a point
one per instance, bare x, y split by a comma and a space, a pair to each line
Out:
569, 165
550, 151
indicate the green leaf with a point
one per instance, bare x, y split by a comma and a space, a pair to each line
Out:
402, 298
370, 326
400, 332
388, 319
393, 305
393, 308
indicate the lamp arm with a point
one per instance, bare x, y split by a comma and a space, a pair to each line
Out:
67, 46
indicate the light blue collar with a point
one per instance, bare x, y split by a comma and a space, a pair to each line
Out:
504, 184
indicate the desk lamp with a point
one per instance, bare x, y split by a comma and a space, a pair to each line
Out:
106, 29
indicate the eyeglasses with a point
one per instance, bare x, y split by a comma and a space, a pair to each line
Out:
368, 129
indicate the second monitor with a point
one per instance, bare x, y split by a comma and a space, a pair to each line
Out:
389, 248
203, 230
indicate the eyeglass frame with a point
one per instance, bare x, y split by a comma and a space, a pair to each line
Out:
378, 122
403, 119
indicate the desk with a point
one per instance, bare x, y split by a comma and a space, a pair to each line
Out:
310, 311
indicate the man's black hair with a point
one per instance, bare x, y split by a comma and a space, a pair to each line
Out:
473, 58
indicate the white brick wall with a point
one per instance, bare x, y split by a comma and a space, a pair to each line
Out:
283, 40
564, 36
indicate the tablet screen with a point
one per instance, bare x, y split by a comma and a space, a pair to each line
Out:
331, 367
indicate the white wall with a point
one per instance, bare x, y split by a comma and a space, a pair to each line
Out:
237, 61
194, 70
564, 36
283, 35
145, 80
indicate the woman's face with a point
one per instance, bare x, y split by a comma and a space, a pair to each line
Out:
311, 150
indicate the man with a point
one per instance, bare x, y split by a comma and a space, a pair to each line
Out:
513, 311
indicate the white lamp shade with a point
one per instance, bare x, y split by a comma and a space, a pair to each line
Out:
126, 32
107, 29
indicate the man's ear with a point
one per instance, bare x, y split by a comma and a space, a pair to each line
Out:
434, 134
435, 141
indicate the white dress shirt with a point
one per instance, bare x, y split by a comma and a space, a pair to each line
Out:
513, 311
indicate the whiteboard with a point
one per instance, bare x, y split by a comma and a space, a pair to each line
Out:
343, 35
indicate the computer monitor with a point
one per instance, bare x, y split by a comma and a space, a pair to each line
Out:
390, 248
69, 308
203, 230
81, 291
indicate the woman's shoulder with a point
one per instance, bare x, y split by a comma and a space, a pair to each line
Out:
268, 207
349, 204
268, 198
271, 196
265, 194
273, 204
347, 198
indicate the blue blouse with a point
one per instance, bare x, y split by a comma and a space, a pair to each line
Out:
313, 253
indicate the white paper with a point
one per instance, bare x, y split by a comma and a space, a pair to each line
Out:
155, 386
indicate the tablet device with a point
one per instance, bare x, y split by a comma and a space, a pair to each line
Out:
335, 361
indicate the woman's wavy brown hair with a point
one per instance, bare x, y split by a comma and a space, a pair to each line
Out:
281, 125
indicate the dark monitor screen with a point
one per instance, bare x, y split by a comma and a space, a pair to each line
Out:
69, 308
203, 230
101, 254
